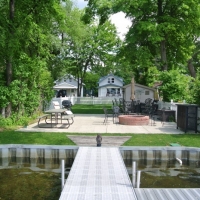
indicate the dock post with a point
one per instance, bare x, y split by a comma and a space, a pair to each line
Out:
138, 178
63, 174
134, 174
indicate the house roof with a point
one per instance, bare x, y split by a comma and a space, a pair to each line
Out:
105, 77
67, 76
64, 86
110, 85
139, 85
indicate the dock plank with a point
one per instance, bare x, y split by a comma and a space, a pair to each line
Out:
151, 194
196, 192
179, 194
159, 194
140, 194
168, 193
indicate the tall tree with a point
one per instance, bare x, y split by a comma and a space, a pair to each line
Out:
193, 63
92, 47
9, 55
26, 43
165, 29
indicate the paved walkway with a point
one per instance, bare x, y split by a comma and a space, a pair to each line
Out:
84, 123
107, 141
94, 124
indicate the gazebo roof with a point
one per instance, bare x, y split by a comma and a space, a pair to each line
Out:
139, 85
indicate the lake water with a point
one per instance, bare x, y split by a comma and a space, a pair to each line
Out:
168, 174
35, 172
23, 181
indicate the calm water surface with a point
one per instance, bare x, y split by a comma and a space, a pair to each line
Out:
169, 174
26, 182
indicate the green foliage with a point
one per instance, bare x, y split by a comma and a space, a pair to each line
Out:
172, 25
4, 122
29, 41
176, 86
152, 75
14, 121
4, 91
195, 89
91, 47
91, 80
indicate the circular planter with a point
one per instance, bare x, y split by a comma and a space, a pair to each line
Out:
134, 120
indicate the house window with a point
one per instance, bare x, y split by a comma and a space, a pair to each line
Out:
70, 79
146, 92
72, 90
111, 80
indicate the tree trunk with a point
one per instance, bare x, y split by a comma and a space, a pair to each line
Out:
163, 52
9, 70
8, 109
79, 88
191, 68
163, 55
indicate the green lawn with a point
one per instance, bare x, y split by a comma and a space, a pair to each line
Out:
90, 109
189, 140
14, 137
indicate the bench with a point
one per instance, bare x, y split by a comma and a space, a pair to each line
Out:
68, 117
45, 116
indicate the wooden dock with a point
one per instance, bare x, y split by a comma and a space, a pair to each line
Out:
99, 173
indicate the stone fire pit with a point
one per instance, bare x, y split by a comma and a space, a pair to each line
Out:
134, 120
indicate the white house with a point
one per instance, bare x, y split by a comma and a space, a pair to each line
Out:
110, 85
66, 87
141, 92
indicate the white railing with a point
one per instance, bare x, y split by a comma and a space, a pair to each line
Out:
95, 100
82, 100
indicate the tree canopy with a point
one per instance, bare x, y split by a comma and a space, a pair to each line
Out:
164, 34
42, 40
166, 30
26, 42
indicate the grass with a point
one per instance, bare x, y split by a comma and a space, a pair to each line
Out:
13, 137
90, 109
188, 140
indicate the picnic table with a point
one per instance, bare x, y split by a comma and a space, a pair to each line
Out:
56, 115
